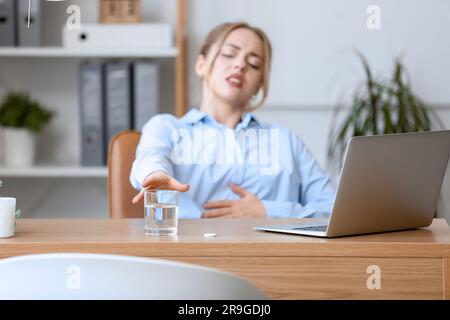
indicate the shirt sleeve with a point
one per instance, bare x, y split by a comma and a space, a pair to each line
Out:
154, 149
316, 193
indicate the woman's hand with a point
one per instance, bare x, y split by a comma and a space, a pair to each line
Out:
160, 180
249, 206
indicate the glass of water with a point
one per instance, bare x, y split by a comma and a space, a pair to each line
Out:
161, 212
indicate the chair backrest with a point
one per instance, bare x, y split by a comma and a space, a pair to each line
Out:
121, 154
73, 276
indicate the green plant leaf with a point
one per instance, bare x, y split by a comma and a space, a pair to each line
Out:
18, 110
380, 106
388, 125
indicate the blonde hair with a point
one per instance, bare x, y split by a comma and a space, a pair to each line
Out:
217, 37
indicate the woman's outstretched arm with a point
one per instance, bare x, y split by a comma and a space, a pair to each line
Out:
152, 168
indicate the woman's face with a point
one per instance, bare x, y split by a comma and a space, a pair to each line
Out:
236, 74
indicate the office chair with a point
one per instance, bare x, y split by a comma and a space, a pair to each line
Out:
74, 276
121, 154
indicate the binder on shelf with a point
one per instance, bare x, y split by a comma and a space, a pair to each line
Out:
92, 113
7, 23
29, 35
118, 99
146, 97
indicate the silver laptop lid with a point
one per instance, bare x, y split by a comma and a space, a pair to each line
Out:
390, 182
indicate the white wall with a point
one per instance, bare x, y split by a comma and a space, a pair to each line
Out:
313, 42
313, 68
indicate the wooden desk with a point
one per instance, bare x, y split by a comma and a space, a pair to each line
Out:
414, 264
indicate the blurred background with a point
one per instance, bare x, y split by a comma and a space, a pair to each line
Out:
315, 69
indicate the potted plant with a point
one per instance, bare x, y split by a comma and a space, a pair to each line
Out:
8, 215
22, 119
379, 106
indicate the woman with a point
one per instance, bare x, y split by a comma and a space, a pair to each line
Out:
236, 166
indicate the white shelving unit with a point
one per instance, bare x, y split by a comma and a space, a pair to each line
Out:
62, 52
57, 186
70, 171
67, 171
73, 171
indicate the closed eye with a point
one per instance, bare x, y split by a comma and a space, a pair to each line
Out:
252, 65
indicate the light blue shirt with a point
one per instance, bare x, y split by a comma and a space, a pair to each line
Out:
265, 159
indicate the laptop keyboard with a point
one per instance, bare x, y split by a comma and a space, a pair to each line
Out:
322, 228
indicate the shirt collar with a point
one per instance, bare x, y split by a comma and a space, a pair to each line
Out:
247, 120
194, 115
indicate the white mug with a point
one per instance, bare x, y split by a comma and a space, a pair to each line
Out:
7, 217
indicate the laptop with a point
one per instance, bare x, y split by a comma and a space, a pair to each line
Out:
388, 183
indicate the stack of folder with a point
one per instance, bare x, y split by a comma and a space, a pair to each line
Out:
16, 27
114, 97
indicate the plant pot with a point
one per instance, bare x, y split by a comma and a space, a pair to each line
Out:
7, 217
19, 147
